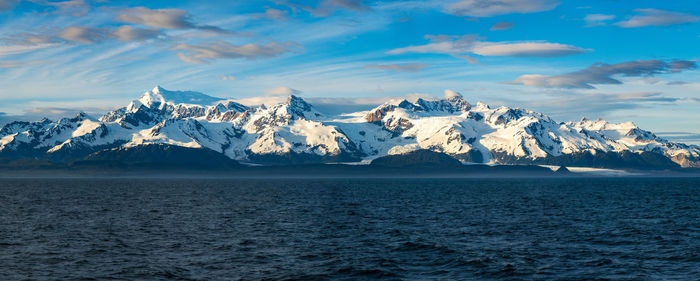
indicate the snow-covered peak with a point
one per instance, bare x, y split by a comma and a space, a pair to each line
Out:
159, 97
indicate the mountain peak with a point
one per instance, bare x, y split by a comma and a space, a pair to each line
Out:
297, 104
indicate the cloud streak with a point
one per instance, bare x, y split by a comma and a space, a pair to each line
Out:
205, 53
597, 19
464, 45
656, 17
127, 33
8, 4
163, 19
598, 104
601, 73
504, 25
409, 67
18, 63
326, 7
489, 8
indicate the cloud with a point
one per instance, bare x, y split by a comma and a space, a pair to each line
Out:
504, 25
326, 7
409, 67
158, 18
281, 91
221, 50
20, 49
85, 35
677, 83
81, 34
228, 77
273, 14
6, 5
163, 19
18, 63
489, 8
684, 137
461, 46
594, 104
127, 33
30, 39
655, 17
601, 73
526, 49
75, 8
597, 19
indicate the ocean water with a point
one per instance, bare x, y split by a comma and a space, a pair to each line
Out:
194, 229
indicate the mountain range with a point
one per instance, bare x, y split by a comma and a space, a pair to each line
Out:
185, 125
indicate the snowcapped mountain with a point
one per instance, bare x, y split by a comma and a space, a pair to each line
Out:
295, 132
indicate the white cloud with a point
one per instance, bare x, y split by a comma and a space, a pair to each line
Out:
326, 7
504, 25
75, 8
461, 46
655, 17
8, 4
273, 14
598, 19
158, 18
409, 67
601, 73
87, 35
18, 63
206, 52
281, 91
489, 8
164, 19
526, 49
20, 49
127, 33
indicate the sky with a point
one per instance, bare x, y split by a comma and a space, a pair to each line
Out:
612, 59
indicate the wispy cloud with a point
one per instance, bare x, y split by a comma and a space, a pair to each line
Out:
163, 19
81, 34
8, 4
597, 104
408, 67
326, 8
206, 52
598, 19
127, 33
601, 73
75, 8
20, 49
464, 45
504, 25
273, 14
282, 91
84, 35
684, 137
18, 63
489, 8
656, 17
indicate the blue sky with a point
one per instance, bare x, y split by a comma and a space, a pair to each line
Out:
618, 60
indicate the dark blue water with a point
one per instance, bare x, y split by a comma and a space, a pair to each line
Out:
577, 229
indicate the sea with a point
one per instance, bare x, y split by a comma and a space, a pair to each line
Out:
350, 229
